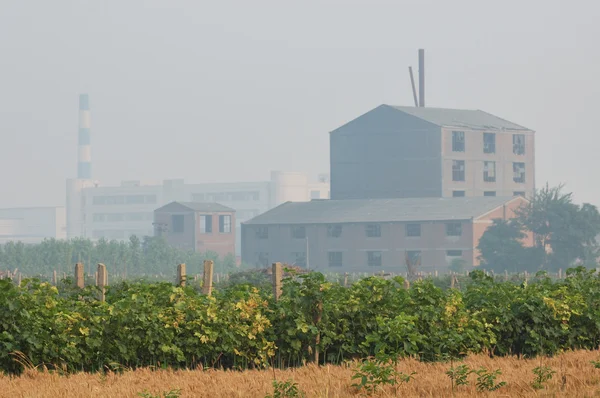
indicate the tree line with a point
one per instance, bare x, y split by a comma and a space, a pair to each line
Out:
135, 257
564, 234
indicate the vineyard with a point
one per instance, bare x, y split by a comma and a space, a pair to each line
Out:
242, 326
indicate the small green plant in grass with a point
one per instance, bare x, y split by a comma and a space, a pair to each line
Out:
596, 364
286, 389
373, 374
486, 380
458, 375
542, 375
168, 394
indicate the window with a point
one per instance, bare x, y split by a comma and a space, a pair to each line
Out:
135, 216
335, 259
114, 217
262, 232
413, 256
334, 231
458, 194
197, 197
458, 141
206, 224
99, 217
489, 193
458, 170
519, 193
374, 259
453, 229
489, 171
489, 143
299, 258
373, 230
519, 172
225, 224
262, 258
314, 194
413, 229
177, 223
298, 232
519, 144
454, 253
134, 199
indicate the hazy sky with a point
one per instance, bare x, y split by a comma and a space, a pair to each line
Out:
229, 90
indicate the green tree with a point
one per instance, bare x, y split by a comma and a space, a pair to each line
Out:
501, 247
564, 231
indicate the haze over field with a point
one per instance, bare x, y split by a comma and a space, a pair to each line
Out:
228, 90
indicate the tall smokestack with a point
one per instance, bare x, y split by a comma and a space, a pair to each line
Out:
84, 165
421, 77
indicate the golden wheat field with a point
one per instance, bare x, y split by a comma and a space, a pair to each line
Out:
575, 377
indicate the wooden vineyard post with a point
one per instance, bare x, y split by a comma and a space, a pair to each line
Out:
79, 277
19, 280
54, 278
436, 273
345, 279
102, 280
560, 273
505, 275
452, 278
208, 277
277, 276
406, 284
181, 276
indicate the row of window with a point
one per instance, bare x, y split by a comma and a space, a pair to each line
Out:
206, 224
489, 142
120, 217
124, 199
226, 196
374, 258
460, 194
489, 171
371, 230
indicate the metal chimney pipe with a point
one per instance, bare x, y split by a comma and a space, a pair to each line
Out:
412, 82
421, 77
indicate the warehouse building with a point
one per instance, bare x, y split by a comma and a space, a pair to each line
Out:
368, 235
412, 152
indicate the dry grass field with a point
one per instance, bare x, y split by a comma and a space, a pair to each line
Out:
575, 377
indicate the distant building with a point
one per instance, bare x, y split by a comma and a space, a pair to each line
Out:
32, 224
411, 152
117, 212
370, 235
200, 227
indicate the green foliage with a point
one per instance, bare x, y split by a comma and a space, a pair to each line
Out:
241, 326
542, 375
150, 256
486, 380
286, 389
458, 265
458, 375
374, 374
168, 394
565, 233
596, 364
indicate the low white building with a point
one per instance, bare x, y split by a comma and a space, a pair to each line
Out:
117, 212
32, 224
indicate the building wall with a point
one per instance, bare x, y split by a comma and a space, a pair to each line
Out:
124, 215
183, 240
33, 224
385, 154
393, 243
474, 157
223, 243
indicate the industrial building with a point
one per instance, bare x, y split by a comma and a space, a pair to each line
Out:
117, 212
418, 152
369, 235
197, 226
32, 224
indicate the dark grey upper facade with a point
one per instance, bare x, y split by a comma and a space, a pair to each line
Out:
403, 152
